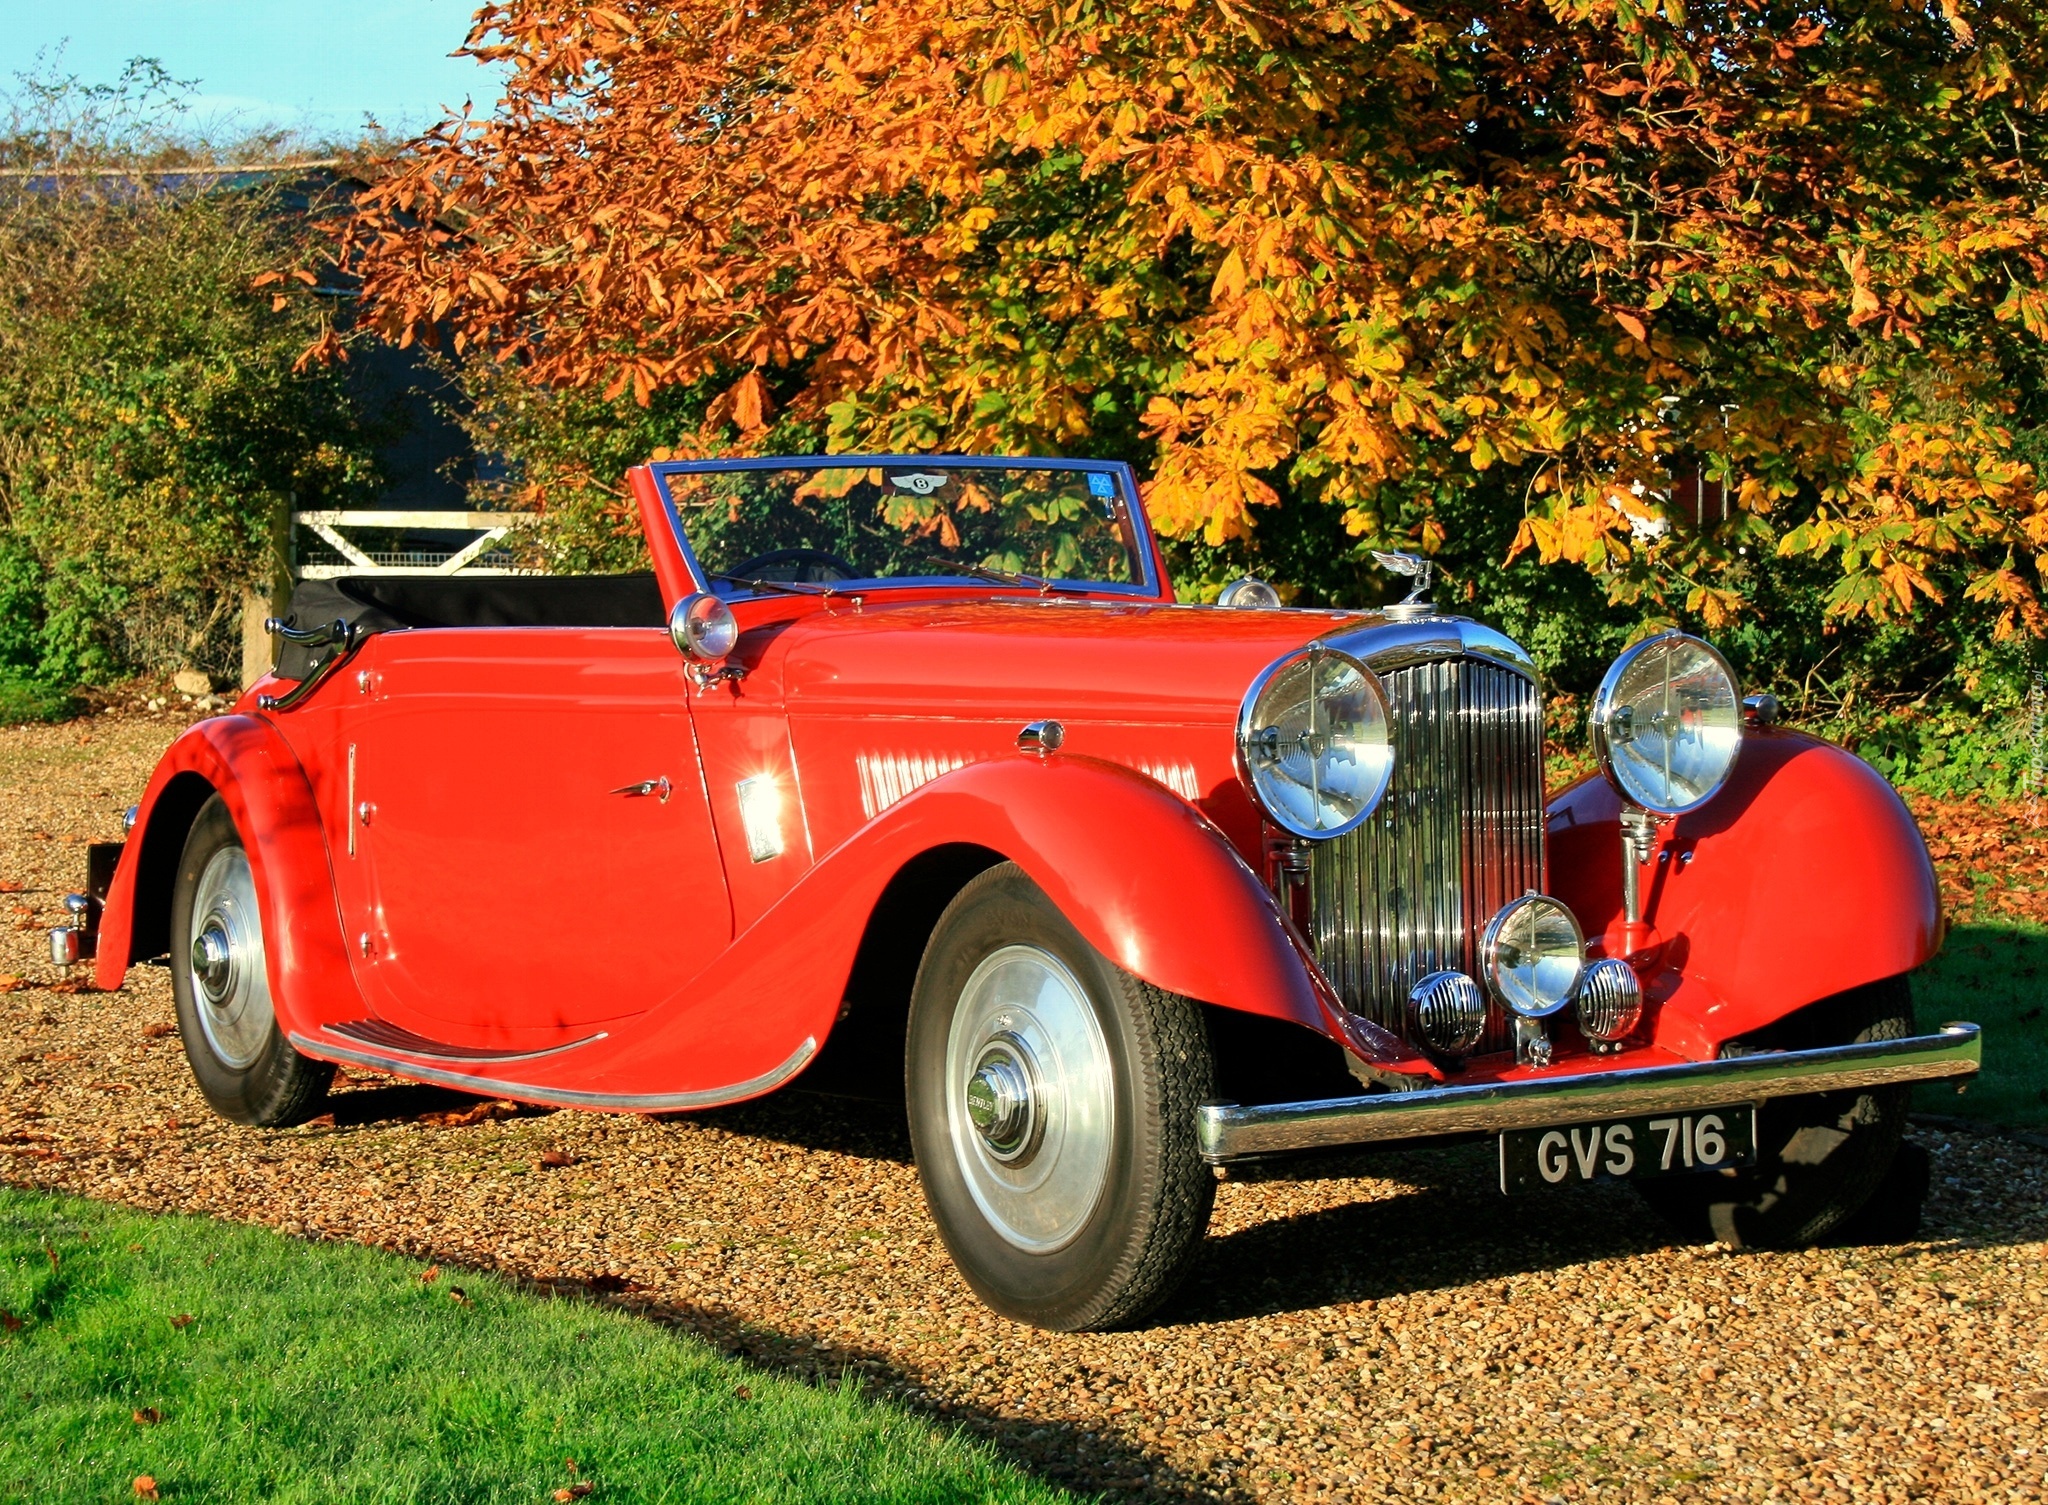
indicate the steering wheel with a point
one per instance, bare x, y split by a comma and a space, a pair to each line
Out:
803, 565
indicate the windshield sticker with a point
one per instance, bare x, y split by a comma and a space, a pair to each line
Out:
919, 482
1100, 484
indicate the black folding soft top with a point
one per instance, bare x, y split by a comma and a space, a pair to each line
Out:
383, 603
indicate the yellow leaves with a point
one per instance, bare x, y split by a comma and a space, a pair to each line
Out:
1229, 283
1902, 580
953, 226
1716, 606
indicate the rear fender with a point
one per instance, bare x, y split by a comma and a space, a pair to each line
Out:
244, 760
1804, 877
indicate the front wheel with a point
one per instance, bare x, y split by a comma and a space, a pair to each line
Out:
220, 976
1052, 1107
1820, 1159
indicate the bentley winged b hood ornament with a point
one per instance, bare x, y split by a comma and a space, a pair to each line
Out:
1415, 567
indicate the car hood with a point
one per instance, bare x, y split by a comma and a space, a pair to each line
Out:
1033, 657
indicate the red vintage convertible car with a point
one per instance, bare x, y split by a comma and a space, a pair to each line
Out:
911, 774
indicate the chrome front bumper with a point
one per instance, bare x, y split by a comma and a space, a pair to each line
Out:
1228, 1132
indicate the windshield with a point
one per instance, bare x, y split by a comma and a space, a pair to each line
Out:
1041, 525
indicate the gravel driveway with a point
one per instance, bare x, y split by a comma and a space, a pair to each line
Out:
1382, 1327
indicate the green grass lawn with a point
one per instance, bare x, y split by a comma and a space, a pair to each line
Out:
1996, 975
263, 1368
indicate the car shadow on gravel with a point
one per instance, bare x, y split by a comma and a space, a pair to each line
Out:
358, 1106
1446, 1226
818, 1121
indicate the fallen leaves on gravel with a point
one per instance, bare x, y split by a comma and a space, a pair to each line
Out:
554, 1159
462, 1118
12, 984
10, 885
1990, 860
158, 1031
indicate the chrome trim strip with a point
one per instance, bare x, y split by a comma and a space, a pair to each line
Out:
1389, 645
563, 1097
1227, 1132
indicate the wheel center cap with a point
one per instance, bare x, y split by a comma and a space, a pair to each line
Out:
213, 959
999, 1102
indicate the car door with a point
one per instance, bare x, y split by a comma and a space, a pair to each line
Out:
537, 849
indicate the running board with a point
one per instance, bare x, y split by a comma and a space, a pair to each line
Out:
411, 1067
377, 1034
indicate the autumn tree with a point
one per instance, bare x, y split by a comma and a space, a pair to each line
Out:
1402, 266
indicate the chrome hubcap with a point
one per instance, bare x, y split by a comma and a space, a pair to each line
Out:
230, 981
213, 961
1030, 1097
1002, 1098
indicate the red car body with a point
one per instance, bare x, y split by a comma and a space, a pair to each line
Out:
501, 899
513, 859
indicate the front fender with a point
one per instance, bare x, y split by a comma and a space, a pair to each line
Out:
248, 764
1141, 873
1804, 877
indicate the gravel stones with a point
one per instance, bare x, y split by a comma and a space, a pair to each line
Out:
1357, 1329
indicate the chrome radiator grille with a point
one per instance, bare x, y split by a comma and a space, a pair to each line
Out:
1459, 833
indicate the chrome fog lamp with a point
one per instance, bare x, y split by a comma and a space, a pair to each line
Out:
1532, 956
703, 626
1314, 743
1610, 1001
1667, 723
1448, 1010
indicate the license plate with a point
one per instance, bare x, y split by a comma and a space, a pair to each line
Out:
1628, 1149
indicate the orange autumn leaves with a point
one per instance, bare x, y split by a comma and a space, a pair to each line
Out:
1372, 256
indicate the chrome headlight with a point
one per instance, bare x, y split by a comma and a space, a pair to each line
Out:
1667, 723
1313, 742
1532, 955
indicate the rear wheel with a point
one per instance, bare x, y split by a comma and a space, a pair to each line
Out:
1052, 1110
1820, 1159
220, 976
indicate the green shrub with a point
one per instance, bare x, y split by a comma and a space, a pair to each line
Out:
23, 700
151, 419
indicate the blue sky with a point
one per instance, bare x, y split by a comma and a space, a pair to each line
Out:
313, 64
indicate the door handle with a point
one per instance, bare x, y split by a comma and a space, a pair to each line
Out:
660, 788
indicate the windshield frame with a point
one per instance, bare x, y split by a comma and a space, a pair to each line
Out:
1150, 587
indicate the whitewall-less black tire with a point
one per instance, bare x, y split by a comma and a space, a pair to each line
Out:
1820, 1159
220, 976
1052, 1103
